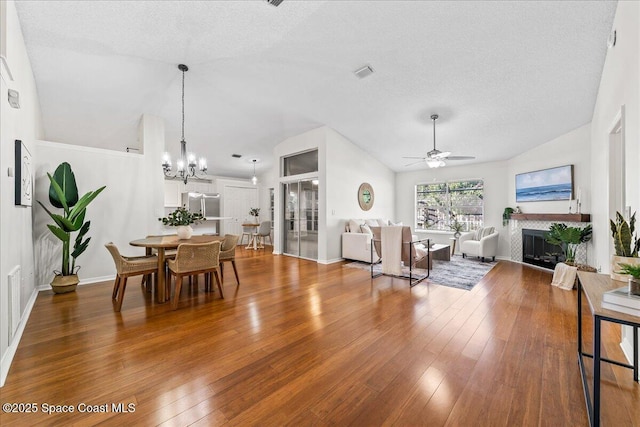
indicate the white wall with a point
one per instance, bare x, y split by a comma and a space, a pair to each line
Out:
572, 148
16, 245
493, 174
619, 85
347, 167
124, 211
342, 167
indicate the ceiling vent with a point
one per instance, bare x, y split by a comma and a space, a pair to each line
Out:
363, 72
274, 2
237, 156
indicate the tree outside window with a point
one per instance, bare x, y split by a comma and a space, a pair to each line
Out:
438, 205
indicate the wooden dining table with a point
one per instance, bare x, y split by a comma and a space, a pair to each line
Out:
161, 244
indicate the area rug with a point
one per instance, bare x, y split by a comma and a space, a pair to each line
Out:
461, 273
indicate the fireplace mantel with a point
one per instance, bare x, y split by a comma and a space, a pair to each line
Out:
573, 217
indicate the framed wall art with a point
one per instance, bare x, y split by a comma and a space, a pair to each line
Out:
23, 175
543, 185
365, 196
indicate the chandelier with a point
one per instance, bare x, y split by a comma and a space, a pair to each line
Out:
186, 166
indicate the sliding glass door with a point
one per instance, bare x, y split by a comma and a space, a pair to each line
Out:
300, 227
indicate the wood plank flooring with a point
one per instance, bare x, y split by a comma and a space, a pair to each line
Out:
299, 343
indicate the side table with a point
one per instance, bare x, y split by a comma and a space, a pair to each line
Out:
593, 286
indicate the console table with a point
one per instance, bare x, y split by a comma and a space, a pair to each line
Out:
593, 286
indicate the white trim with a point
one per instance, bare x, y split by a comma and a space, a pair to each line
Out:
330, 261
5, 363
4, 65
90, 281
627, 349
43, 143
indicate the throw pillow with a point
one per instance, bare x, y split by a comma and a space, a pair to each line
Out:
354, 226
487, 231
395, 223
372, 222
364, 228
383, 222
478, 234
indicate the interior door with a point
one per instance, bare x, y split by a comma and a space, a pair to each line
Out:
237, 201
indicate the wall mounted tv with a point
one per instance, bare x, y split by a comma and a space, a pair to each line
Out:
546, 184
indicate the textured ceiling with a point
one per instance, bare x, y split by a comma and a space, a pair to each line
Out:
503, 76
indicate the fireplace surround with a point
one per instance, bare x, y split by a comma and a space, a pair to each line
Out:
537, 251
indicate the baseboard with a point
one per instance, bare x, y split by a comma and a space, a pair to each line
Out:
89, 281
627, 348
330, 261
7, 358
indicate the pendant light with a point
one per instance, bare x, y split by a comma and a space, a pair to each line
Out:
254, 178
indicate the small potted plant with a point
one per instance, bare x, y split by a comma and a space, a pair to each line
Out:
182, 219
456, 226
63, 194
255, 212
626, 243
634, 277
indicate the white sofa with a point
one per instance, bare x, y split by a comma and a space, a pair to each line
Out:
356, 239
482, 243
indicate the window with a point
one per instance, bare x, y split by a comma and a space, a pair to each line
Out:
300, 163
439, 205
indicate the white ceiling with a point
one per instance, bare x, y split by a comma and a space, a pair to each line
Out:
503, 76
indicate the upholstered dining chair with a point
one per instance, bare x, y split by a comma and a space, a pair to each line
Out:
193, 259
264, 231
228, 253
127, 267
246, 231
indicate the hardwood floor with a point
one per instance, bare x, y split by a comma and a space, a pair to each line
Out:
299, 343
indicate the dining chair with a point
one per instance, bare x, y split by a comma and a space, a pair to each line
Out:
192, 259
228, 253
264, 231
127, 267
246, 231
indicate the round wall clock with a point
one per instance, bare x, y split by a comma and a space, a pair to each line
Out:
365, 196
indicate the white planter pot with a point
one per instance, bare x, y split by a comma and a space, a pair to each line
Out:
184, 232
615, 261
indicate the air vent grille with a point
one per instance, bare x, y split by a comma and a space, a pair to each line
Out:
274, 2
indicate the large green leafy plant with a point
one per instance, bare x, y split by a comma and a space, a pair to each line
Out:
568, 238
624, 241
63, 194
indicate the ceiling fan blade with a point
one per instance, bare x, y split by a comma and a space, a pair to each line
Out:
460, 157
442, 155
414, 163
414, 158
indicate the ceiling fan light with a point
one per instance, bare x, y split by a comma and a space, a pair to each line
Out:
435, 163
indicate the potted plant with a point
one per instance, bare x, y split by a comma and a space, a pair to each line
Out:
456, 226
255, 212
63, 194
634, 277
182, 219
506, 215
626, 244
568, 238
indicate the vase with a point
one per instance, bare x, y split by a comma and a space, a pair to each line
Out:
184, 232
64, 284
615, 261
634, 286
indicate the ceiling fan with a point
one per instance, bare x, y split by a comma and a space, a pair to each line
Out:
435, 158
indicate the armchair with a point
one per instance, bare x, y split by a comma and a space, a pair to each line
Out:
482, 243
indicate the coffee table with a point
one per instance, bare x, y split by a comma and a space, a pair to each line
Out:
440, 252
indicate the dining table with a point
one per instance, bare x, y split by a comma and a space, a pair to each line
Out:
161, 244
253, 243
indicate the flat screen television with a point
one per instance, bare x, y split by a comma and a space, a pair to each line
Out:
543, 185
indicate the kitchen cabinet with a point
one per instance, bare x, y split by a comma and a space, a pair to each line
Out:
173, 193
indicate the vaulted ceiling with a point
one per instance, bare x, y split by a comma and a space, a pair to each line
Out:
503, 76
